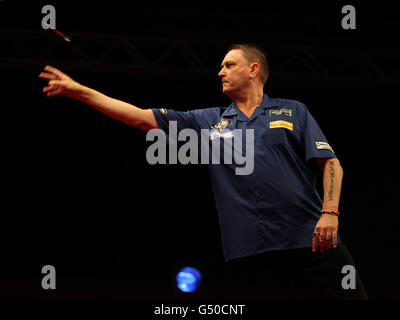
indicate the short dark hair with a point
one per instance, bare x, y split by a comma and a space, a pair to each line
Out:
254, 53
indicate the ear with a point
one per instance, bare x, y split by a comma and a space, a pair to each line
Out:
254, 69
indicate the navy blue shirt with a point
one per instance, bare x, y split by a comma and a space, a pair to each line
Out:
277, 205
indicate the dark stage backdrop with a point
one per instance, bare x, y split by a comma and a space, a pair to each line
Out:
79, 194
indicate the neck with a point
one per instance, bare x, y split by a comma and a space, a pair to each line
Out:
249, 101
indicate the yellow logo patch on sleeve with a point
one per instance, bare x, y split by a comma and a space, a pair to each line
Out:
281, 124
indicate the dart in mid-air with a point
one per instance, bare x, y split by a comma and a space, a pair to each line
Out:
66, 38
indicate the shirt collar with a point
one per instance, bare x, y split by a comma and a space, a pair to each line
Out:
232, 110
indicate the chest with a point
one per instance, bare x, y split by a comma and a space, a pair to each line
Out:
270, 127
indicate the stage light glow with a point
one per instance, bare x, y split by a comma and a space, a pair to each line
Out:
188, 279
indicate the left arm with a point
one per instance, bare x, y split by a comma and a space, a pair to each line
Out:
327, 226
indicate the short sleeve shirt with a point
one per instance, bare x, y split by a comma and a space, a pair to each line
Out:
275, 205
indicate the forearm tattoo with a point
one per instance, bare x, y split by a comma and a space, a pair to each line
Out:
331, 176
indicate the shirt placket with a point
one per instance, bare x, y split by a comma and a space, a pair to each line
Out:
254, 182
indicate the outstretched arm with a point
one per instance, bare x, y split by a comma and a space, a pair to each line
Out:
61, 84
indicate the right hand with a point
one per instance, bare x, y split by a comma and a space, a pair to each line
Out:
59, 83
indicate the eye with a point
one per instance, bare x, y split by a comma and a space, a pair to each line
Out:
227, 65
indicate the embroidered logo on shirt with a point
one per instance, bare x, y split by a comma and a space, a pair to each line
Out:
215, 134
286, 112
163, 111
323, 145
281, 124
222, 124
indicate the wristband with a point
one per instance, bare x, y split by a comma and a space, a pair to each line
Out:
330, 211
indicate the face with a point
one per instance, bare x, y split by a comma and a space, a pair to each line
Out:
235, 72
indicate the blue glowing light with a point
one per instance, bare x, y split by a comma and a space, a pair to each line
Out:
188, 279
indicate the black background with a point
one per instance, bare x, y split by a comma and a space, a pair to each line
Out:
78, 193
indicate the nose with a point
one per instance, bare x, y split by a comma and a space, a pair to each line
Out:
222, 73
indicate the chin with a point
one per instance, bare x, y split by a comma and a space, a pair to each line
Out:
227, 92
226, 88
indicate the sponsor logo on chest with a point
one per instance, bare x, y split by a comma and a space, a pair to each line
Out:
281, 124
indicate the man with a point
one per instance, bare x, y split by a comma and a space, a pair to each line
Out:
272, 219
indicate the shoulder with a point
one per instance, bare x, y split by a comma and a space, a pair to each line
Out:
209, 113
